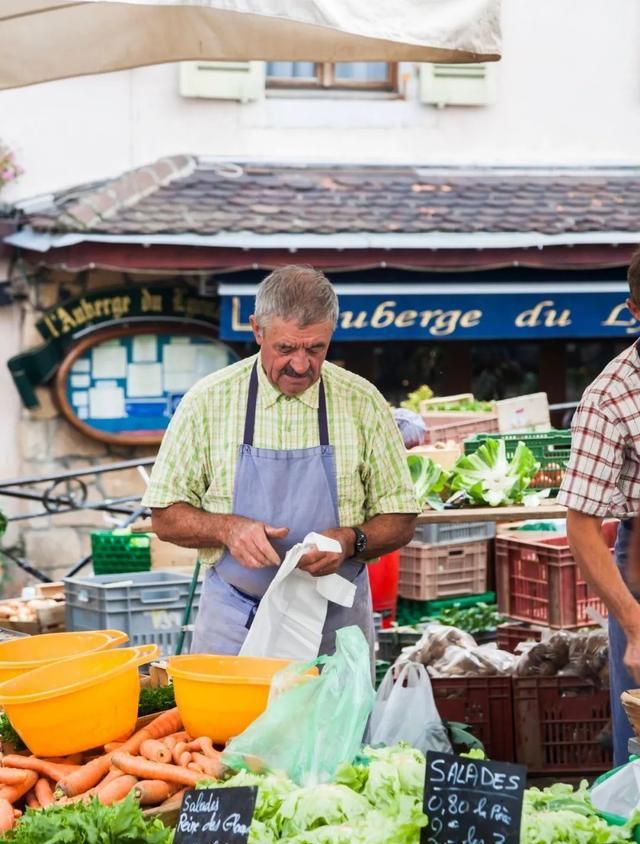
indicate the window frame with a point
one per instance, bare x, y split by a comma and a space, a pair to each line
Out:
325, 80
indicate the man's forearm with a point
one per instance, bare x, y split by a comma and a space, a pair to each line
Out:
385, 533
190, 527
600, 570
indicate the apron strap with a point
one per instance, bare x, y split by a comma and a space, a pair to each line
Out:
250, 417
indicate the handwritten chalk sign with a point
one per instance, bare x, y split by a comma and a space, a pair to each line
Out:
470, 801
216, 816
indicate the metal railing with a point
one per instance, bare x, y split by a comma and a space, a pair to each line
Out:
66, 492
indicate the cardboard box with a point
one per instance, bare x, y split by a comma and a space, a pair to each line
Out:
523, 413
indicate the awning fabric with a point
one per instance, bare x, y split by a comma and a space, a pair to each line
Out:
52, 39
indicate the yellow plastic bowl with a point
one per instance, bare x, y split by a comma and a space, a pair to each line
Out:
20, 655
219, 696
79, 704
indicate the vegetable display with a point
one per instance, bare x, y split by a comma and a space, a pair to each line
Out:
375, 800
486, 477
476, 619
560, 814
413, 399
89, 823
156, 700
463, 406
429, 481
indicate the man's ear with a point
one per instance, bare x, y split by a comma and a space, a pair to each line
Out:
257, 331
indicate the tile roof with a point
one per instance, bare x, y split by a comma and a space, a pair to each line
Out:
182, 194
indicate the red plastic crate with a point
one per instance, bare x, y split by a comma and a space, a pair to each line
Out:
439, 571
559, 724
485, 704
512, 633
383, 580
539, 581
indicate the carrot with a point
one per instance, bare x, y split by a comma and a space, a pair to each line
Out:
7, 818
112, 745
74, 759
12, 793
12, 776
17, 813
185, 758
152, 792
212, 767
116, 790
46, 769
44, 793
32, 801
146, 770
171, 740
178, 749
175, 801
84, 778
206, 746
155, 751
165, 724
193, 766
90, 774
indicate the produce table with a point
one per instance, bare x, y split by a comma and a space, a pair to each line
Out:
548, 510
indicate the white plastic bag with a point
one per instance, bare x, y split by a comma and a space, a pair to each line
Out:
619, 794
290, 617
405, 710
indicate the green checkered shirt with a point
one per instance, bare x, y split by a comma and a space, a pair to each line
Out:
197, 459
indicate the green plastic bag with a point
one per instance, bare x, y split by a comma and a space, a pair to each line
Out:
311, 724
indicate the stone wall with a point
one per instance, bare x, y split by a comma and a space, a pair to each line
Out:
48, 444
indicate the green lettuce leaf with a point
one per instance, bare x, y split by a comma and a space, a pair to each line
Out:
488, 477
429, 481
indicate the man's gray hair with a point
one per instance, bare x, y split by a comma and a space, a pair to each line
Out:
298, 294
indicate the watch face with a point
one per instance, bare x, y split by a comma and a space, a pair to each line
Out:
361, 542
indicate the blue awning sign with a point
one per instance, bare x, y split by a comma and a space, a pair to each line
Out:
459, 312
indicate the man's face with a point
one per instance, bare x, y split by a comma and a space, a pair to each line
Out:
292, 357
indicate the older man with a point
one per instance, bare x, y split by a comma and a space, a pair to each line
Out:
268, 449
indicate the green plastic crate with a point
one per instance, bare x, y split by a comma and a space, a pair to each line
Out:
382, 666
550, 448
119, 551
412, 612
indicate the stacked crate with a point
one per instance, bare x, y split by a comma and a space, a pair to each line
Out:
445, 560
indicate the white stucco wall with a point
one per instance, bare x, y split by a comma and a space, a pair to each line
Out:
568, 93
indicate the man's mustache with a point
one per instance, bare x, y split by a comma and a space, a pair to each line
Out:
291, 373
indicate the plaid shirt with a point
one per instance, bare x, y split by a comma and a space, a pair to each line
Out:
603, 476
197, 459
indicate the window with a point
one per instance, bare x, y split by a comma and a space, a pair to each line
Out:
346, 76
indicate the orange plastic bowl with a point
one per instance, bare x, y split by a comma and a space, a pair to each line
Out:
219, 696
78, 704
20, 655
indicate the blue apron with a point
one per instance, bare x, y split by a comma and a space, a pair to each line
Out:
293, 488
620, 680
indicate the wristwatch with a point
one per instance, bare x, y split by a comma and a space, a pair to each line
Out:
360, 545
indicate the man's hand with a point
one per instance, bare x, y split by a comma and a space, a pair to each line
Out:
318, 563
632, 655
248, 542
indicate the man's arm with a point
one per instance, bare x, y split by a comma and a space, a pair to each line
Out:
385, 532
601, 572
246, 539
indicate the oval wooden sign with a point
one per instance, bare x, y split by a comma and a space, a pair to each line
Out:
123, 384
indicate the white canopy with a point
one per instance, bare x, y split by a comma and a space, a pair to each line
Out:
42, 40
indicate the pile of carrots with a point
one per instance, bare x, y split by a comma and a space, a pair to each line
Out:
158, 763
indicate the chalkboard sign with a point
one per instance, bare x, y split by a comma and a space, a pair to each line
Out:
216, 816
470, 801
